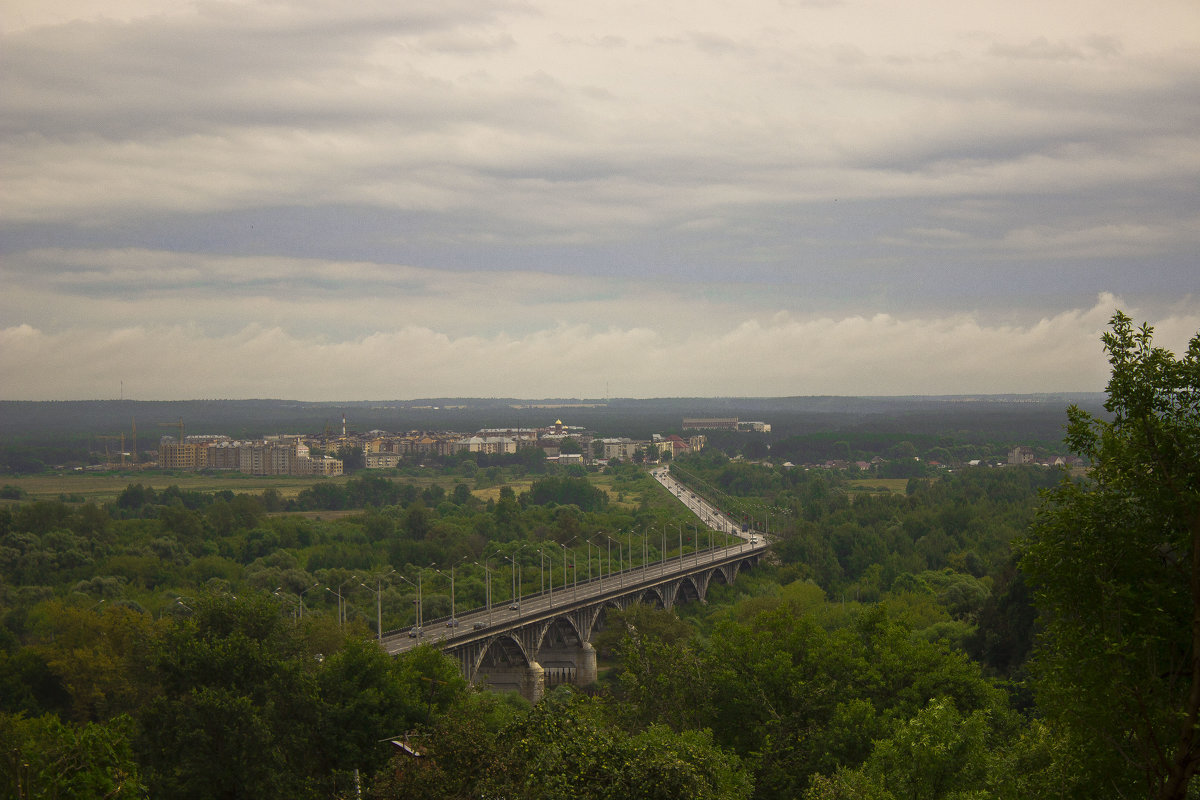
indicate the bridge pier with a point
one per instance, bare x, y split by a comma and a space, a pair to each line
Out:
509, 655
585, 667
533, 683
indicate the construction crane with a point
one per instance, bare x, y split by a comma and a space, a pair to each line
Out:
107, 457
172, 425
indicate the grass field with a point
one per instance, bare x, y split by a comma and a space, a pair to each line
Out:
880, 485
104, 486
493, 492
606, 483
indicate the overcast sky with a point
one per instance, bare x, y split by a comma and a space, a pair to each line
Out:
394, 199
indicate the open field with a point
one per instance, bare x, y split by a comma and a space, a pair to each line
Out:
493, 492
104, 486
631, 500
879, 485
101, 487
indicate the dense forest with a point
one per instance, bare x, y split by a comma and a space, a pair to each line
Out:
1015, 632
148, 626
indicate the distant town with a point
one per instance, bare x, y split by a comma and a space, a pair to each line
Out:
326, 453
319, 454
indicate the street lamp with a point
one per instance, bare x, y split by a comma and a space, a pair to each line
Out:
663, 563
277, 592
645, 550
600, 566
487, 586
543, 555
588, 542
341, 599
453, 618
421, 598
516, 587
619, 560
379, 599
575, 583
301, 596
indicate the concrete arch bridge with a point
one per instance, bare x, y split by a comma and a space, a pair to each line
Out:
545, 639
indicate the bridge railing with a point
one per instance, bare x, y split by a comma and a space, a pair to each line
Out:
654, 570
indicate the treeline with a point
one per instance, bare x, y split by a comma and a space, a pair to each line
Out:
121, 619
148, 545
948, 538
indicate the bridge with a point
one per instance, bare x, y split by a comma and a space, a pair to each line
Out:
544, 639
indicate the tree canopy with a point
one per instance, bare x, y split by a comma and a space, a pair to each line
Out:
1115, 564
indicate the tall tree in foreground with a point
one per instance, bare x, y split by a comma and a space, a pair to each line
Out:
1115, 562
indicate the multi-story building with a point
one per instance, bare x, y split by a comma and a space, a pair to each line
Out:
280, 455
1021, 455
622, 448
381, 460
710, 423
490, 445
327, 466
182, 455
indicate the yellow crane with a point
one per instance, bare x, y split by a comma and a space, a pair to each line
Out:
172, 425
107, 456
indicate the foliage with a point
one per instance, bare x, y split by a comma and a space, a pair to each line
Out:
253, 704
1115, 564
838, 666
45, 758
568, 491
569, 747
790, 695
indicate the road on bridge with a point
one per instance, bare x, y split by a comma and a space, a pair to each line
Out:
482, 623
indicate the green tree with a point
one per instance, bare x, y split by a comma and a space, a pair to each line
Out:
568, 746
238, 709
1115, 565
45, 758
366, 696
352, 458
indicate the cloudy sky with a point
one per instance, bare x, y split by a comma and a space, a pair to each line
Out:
393, 199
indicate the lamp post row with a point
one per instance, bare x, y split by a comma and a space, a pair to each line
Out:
516, 583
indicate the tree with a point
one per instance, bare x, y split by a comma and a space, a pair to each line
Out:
239, 706
939, 753
568, 746
352, 458
48, 758
1114, 561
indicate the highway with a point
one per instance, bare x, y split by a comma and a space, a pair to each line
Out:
482, 623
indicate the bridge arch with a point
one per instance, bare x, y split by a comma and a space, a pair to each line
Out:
689, 591
507, 652
652, 596
502, 663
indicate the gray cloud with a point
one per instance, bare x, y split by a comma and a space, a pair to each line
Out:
473, 180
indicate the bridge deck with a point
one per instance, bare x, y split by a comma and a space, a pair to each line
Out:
483, 623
